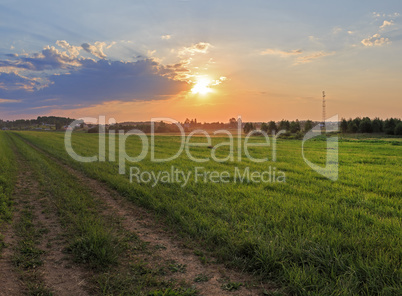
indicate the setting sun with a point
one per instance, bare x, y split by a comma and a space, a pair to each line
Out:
202, 86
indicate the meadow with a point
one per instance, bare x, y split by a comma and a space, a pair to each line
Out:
7, 179
309, 235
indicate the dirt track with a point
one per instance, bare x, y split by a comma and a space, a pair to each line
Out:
166, 246
56, 273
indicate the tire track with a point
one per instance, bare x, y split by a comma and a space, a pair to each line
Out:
56, 274
9, 279
137, 220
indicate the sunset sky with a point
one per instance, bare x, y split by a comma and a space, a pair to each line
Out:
210, 60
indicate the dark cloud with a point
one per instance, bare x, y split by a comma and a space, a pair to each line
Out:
99, 81
87, 82
48, 59
13, 82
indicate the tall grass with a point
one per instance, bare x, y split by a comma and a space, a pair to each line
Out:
310, 234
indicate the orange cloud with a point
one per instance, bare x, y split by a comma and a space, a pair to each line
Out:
313, 56
281, 53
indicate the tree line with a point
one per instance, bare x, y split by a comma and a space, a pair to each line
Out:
56, 121
390, 126
294, 127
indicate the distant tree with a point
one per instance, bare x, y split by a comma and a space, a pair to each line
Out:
264, 127
365, 125
162, 127
352, 127
398, 129
308, 125
357, 121
284, 125
295, 126
248, 127
377, 125
344, 125
272, 127
232, 122
94, 130
389, 126
58, 126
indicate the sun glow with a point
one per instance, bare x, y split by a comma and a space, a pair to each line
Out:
202, 86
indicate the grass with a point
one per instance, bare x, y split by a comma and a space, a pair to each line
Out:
91, 239
7, 180
28, 256
174, 292
96, 239
310, 235
201, 278
176, 267
231, 286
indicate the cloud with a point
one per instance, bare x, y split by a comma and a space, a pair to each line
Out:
12, 55
96, 49
92, 82
375, 40
299, 58
309, 58
219, 81
166, 37
14, 81
281, 53
48, 59
4, 101
66, 78
103, 80
391, 15
386, 24
73, 50
192, 58
201, 47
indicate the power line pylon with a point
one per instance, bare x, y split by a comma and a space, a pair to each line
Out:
323, 113
323, 108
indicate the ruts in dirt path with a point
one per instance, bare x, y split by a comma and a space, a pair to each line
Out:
166, 246
53, 273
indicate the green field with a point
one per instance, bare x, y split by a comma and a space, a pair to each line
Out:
309, 235
7, 179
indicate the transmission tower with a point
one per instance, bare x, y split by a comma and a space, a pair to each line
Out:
323, 107
322, 125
